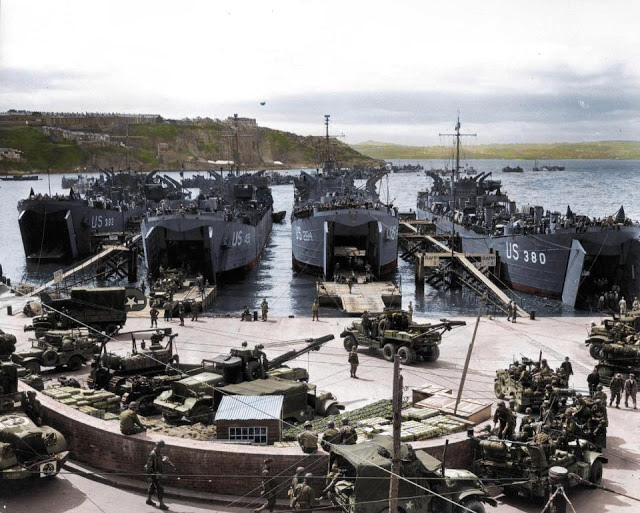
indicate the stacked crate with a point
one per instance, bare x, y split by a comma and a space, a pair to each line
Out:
97, 403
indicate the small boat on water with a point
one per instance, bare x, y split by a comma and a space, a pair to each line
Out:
509, 169
19, 178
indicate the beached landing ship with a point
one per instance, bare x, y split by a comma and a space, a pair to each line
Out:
541, 252
336, 225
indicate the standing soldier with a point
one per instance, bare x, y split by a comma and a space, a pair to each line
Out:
623, 306
195, 310
630, 390
616, 385
308, 440
154, 468
330, 436
315, 311
129, 422
354, 361
153, 313
509, 311
167, 310
181, 313
306, 496
265, 309
348, 435
636, 304
296, 481
410, 310
366, 323
593, 380
567, 368
268, 488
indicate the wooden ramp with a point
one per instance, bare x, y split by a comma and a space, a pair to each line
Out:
372, 297
481, 277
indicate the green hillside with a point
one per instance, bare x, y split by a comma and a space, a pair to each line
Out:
587, 150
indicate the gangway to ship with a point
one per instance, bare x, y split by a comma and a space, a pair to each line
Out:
373, 297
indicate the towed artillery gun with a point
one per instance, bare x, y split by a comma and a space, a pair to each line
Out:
247, 371
395, 333
524, 468
56, 348
363, 486
26, 449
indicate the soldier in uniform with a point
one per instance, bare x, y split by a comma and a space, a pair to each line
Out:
616, 385
181, 313
296, 481
246, 314
593, 380
635, 306
334, 475
305, 496
129, 422
545, 370
154, 468
330, 436
168, 310
410, 310
268, 491
526, 425
630, 390
348, 434
308, 440
354, 361
153, 313
265, 308
623, 306
600, 394
366, 324
505, 420
315, 310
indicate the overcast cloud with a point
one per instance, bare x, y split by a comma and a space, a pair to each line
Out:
525, 71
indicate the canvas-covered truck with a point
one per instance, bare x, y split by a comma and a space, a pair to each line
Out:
26, 449
103, 309
426, 484
393, 332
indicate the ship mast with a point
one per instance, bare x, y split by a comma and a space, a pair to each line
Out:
455, 171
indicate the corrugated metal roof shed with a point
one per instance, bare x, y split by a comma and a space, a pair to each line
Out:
250, 407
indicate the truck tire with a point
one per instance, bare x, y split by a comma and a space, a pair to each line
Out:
497, 389
595, 472
406, 355
471, 504
433, 354
75, 362
350, 342
388, 352
49, 358
332, 410
594, 350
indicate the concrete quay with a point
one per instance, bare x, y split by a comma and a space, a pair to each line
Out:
497, 343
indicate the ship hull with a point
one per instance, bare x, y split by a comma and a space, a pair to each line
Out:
203, 243
550, 264
63, 229
326, 236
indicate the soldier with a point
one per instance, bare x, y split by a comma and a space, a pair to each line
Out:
181, 313
616, 385
593, 380
567, 368
512, 406
366, 323
246, 314
153, 313
268, 491
526, 425
154, 468
623, 306
129, 422
308, 440
505, 421
545, 370
410, 310
168, 310
315, 310
265, 308
354, 361
330, 436
600, 394
636, 304
630, 390
305, 496
333, 476
195, 310
296, 481
348, 435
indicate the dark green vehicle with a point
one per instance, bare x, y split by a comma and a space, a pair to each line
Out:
394, 332
611, 331
364, 484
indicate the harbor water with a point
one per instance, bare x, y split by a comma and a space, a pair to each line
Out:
595, 188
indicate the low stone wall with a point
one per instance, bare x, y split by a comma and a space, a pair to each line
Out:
212, 467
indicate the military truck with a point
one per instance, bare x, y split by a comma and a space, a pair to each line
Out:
246, 371
103, 309
621, 357
611, 331
395, 333
428, 487
56, 348
525, 392
26, 450
522, 468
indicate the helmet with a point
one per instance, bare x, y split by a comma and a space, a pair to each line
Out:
299, 470
133, 405
345, 421
501, 404
528, 411
632, 375
308, 475
308, 424
599, 387
267, 460
160, 443
331, 424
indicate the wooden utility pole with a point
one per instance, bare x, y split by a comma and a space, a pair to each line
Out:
397, 423
466, 364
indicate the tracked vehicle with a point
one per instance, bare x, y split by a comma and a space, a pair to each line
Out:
393, 332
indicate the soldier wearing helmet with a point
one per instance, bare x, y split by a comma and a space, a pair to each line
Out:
505, 421
308, 440
306, 497
129, 422
330, 436
348, 434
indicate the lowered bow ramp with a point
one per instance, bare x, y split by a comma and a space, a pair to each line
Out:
573, 276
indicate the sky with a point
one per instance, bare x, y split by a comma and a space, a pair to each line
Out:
393, 71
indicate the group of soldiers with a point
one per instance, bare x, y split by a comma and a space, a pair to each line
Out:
535, 378
264, 307
308, 440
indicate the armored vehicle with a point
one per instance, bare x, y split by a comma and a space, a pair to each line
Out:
394, 332
611, 331
428, 486
102, 309
247, 371
523, 468
56, 348
26, 450
519, 382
